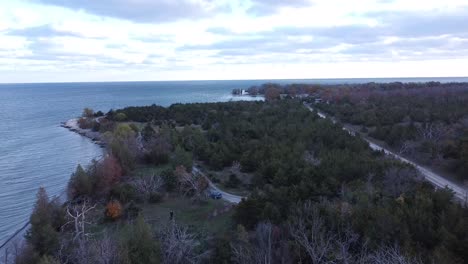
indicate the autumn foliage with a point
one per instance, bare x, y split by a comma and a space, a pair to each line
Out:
114, 210
109, 172
96, 180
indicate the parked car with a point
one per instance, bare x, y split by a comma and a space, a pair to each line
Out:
216, 195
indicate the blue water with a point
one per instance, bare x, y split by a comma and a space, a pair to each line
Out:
35, 151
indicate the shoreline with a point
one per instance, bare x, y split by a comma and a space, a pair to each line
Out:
95, 137
71, 125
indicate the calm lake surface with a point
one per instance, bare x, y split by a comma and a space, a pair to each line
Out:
35, 151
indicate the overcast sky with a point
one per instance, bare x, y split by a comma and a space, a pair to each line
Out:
131, 40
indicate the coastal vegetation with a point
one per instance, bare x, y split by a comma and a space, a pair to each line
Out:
314, 193
426, 122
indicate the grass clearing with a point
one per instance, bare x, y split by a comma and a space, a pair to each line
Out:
208, 216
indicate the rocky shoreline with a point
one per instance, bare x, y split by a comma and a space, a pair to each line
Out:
73, 126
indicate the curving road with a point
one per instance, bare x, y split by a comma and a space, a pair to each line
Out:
225, 196
460, 192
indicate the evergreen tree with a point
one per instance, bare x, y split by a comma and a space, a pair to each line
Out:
181, 157
140, 245
80, 184
42, 234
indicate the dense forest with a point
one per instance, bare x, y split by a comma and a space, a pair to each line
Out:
426, 122
317, 194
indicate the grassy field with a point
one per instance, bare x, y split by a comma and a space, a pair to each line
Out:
208, 216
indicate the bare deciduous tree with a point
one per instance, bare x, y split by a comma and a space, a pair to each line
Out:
308, 231
433, 131
242, 254
77, 214
264, 243
266, 246
77, 249
148, 185
324, 246
191, 183
398, 180
179, 246
389, 255
105, 250
344, 242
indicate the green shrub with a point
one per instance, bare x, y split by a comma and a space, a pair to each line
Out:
169, 179
120, 117
124, 192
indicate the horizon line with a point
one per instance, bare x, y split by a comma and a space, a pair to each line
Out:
260, 79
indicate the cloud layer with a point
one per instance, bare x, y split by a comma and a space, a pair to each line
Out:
191, 39
146, 11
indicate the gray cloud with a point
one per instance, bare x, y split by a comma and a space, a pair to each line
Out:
418, 35
268, 7
412, 24
353, 34
144, 11
415, 48
260, 45
153, 38
41, 31
47, 51
220, 31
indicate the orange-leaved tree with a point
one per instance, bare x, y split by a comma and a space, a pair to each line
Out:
114, 210
109, 172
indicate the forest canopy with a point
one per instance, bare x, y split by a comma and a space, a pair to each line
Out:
316, 193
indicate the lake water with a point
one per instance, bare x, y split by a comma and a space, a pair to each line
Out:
35, 151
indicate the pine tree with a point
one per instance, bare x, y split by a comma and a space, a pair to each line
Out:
42, 235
